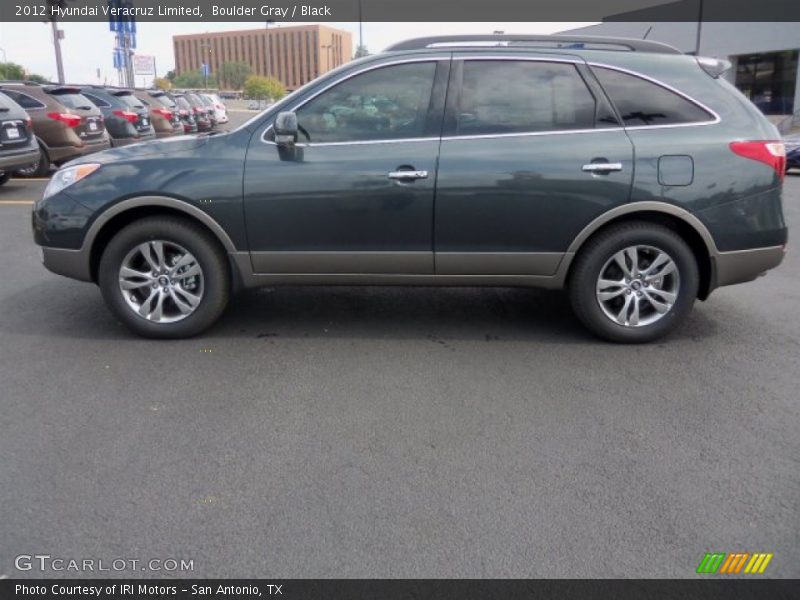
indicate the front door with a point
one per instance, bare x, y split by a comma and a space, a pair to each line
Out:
355, 196
531, 153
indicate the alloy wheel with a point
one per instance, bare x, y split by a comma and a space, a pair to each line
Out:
161, 281
638, 286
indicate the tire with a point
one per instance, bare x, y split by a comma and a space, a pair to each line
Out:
629, 305
4, 177
40, 168
205, 292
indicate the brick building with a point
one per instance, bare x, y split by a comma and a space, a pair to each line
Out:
294, 55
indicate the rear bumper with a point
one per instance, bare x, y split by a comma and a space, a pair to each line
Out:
19, 160
740, 266
61, 154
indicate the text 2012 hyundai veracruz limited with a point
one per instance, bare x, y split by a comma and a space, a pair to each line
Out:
624, 171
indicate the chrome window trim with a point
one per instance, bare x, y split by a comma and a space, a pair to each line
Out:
350, 75
488, 56
716, 118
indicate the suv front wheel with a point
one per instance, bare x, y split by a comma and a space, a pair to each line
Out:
634, 282
165, 277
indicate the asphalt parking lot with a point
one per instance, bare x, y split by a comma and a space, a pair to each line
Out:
395, 432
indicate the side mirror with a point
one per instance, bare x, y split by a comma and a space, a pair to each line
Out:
285, 129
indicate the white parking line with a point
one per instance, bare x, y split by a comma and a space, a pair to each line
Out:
16, 202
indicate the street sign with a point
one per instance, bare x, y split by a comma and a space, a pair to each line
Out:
144, 64
206, 70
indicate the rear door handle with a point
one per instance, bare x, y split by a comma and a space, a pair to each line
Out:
407, 175
601, 167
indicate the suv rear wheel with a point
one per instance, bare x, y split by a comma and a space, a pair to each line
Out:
165, 277
634, 282
41, 168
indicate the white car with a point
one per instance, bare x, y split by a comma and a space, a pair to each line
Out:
220, 111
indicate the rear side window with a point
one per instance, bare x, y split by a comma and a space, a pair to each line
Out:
502, 96
23, 100
74, 100
97, 101
641, 102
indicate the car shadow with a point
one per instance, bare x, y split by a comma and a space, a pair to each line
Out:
76, 310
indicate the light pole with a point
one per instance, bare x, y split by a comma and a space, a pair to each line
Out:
57, 35
269, 52
207, 68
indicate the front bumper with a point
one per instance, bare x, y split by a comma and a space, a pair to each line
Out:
69, 263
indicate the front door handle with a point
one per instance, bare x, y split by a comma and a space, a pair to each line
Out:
407, 175
601, 167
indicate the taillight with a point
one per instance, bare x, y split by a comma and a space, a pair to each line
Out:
163, 112
66, 119
129, 116
183, 112
29, 123
769, 152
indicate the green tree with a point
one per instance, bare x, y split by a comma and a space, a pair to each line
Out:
37, 78
189, 80
232, 75
261, 88
9, 70
162, 83
361, 51
171, 75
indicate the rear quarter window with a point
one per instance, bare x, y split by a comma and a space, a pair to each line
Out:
644, 103
25, 101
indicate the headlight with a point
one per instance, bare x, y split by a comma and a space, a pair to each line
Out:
64, 178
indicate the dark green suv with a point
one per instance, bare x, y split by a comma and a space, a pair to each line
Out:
630, 174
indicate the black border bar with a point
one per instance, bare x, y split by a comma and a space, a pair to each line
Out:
446, 11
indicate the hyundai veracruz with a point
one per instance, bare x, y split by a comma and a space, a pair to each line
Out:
631, 175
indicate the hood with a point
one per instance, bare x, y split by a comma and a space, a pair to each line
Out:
166, 146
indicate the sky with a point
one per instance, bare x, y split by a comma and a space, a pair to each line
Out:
87, 47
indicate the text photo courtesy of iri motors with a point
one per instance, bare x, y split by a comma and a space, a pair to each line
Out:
399, 300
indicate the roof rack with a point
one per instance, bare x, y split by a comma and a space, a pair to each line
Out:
539, 41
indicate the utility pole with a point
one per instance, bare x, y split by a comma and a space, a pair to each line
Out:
360, 28
57, 35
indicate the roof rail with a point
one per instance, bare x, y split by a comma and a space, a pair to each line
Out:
580, 42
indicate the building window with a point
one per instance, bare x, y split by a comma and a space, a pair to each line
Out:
769, 79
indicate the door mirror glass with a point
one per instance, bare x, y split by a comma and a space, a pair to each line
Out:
285, 128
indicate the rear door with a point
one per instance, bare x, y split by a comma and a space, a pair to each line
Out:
531, 153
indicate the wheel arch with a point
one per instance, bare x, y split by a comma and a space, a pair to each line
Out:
123, 213
687, 225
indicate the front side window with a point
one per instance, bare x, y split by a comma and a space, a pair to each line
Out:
383, 104
509, 96
641, 102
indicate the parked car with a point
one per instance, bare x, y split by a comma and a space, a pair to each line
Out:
66, 124
631, 175
163, 112
202, 112
18, 146
792, 152
209, 108
220, 111
198, 111
185, 112
127, 119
